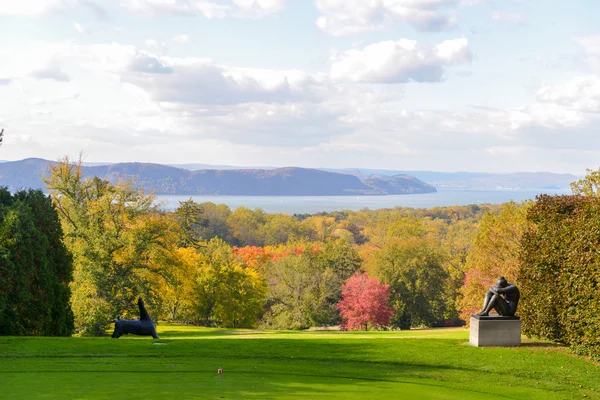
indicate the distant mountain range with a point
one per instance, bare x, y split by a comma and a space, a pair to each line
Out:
231, 180
165, 179
448, 180
478, 180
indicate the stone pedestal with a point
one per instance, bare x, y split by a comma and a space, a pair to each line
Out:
495, 330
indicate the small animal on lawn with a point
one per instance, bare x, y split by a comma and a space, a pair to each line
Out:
143, 326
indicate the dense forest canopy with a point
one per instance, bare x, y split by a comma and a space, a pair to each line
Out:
207, 264
97, 245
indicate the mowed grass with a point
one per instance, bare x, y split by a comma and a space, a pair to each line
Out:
422, 364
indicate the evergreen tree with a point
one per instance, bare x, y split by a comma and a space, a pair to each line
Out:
35, 267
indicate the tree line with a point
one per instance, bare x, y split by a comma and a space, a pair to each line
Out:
549, 248
206, 264
209, 265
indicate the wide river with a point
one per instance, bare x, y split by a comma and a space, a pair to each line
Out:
315, 204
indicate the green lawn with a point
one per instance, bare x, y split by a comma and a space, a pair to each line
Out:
428, 364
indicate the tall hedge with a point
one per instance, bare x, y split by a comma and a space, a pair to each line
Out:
560, 273
35, 267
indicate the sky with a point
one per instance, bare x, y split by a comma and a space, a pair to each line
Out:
444, 85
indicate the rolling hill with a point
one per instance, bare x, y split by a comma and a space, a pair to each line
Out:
163, 179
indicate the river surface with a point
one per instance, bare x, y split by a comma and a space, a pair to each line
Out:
316, 204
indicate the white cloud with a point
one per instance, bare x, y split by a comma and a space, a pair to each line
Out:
160, 6
79, 28
156, 46
591, 49
505, 150
579, 94
196, 81
166, 79
181, 39
29, 7
148, 64
346, 17
35, 7
508, 17
125, 102
210, 9
590, 44
261, 7
291, 125
52, 71
399, 62
125, 92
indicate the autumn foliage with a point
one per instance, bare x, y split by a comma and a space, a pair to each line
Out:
207, 264
81, 260
253, 256
495, 252
364, 303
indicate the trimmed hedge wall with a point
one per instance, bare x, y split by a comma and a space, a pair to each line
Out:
560, 272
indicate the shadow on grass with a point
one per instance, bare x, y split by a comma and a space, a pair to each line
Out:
236, 384
339, 374
276, 366
178, 334
541, 344
375, 359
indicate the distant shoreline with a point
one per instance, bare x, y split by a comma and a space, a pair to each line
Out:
318, 204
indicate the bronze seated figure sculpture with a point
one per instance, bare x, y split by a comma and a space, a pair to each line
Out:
143, 326
505, 306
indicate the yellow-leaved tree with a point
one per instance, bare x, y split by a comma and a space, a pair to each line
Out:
226, 292
178, 286
120, 241
495, 252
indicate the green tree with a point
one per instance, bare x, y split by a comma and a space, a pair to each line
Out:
35, 267
302, 293
340, 257
279, 229
455, 244
215, 222
189, 214
588, 186
417, 280
116, 236
343, 234
246, 226
318, 228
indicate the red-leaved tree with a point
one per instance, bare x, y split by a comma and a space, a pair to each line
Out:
364, 303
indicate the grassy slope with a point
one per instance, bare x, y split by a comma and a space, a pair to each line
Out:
432, 364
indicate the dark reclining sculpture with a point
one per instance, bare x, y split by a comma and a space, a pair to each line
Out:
143, 326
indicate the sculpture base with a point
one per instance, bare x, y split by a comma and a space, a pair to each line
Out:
495, 330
